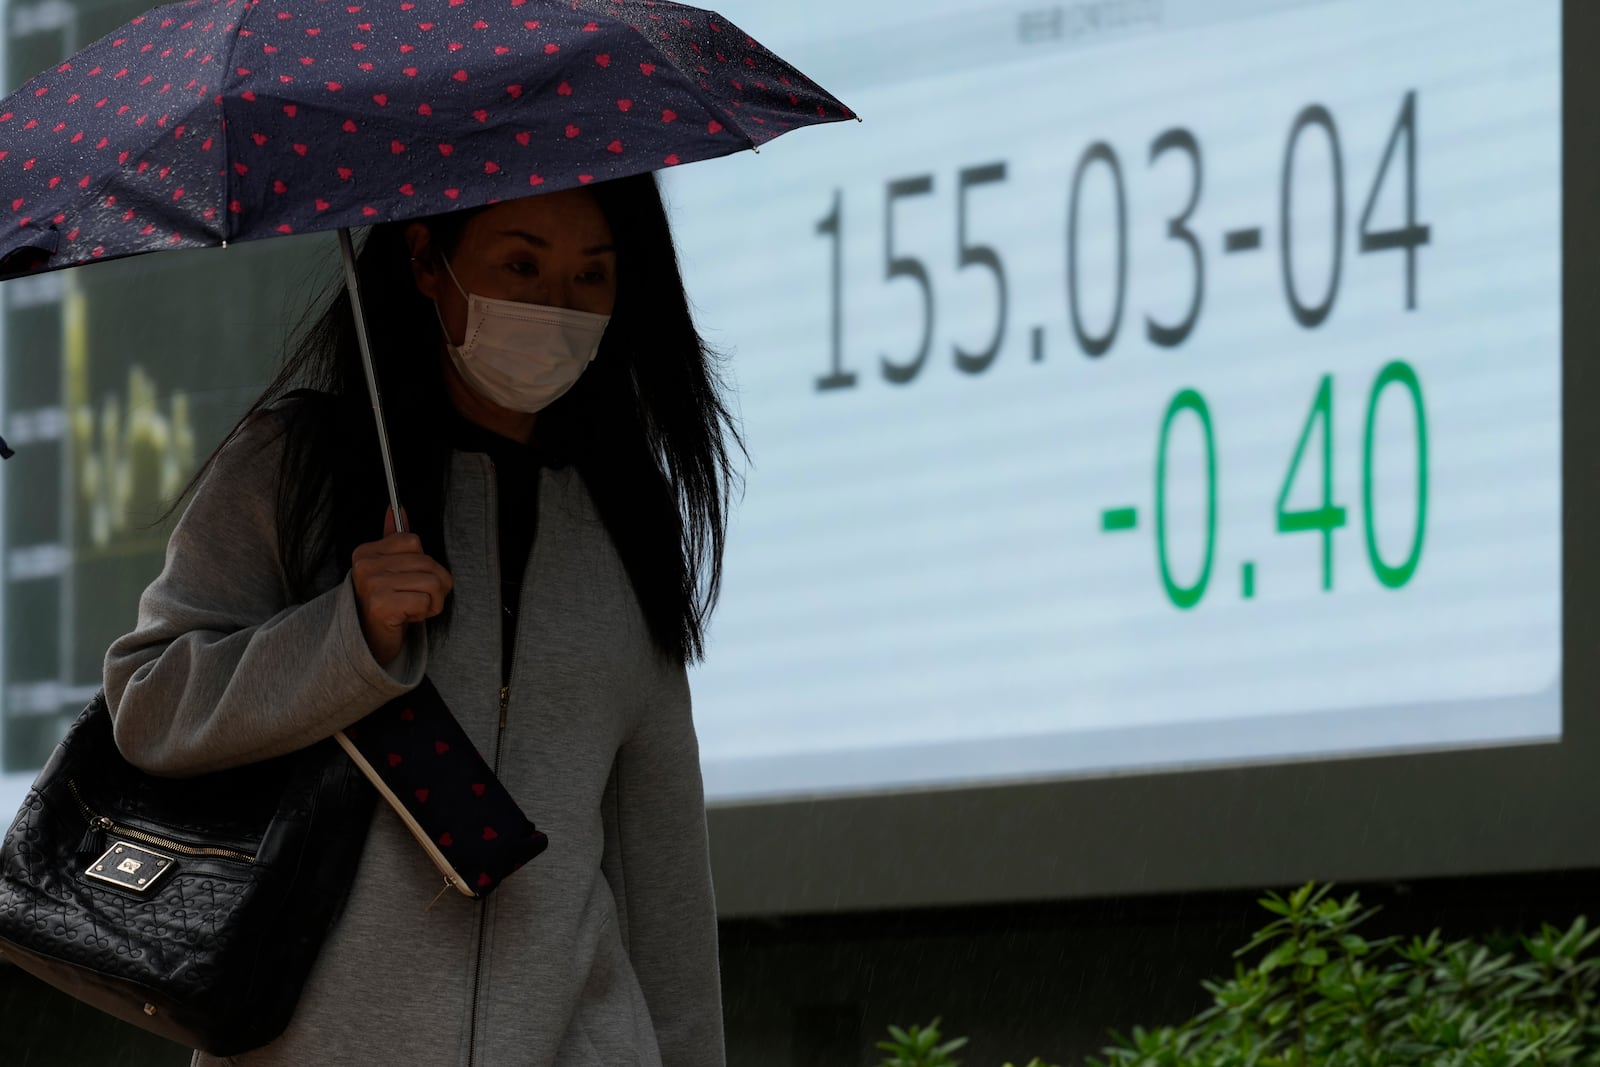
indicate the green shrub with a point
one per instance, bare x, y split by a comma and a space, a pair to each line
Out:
1321, 995
920, 1047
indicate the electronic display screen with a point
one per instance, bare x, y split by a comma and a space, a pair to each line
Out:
1141, 385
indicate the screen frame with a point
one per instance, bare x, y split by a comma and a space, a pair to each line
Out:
1500, 810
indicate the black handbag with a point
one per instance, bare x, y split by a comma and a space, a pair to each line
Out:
193, 908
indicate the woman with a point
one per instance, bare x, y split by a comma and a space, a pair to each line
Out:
569, 519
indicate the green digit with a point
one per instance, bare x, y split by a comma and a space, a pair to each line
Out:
1401, 374
1328, 517
1186, 597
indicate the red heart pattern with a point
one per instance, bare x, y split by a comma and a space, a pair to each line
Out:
332, 94
429, 765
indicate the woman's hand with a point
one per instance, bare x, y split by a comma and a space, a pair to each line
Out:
396, 584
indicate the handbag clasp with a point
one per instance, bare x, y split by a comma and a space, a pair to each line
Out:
130, 866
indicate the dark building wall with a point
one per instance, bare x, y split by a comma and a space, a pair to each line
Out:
1051, 979
1040, 979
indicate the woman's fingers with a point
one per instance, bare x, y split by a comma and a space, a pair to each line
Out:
397, 608
378, 578
396, 584
433, 584
387, 607
396, 563
392, 545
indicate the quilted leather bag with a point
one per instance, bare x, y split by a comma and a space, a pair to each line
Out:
192, 908
195, 907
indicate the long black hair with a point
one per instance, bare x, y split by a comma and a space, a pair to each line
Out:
646, 426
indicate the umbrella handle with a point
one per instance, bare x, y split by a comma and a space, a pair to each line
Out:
348, 254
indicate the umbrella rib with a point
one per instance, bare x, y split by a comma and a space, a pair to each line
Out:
694, 86
222, 120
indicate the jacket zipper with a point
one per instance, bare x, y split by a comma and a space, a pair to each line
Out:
499, 742
483, 918
100, 824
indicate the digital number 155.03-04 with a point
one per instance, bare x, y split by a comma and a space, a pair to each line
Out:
1308, 308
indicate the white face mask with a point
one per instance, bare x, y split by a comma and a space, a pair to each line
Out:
523, 357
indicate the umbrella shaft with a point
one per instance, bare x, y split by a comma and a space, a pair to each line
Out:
348, 254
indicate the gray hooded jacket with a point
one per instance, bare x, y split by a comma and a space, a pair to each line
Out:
602, 951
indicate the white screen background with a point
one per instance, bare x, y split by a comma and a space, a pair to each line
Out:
919, 589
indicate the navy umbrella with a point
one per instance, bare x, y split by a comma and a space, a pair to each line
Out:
212, 121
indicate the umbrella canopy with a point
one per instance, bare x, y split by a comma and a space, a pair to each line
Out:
212, 121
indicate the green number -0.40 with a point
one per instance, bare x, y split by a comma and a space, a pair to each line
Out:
1325, 519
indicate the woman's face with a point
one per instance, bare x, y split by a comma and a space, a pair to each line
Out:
555, 249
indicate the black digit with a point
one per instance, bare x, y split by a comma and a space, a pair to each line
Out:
983, 256
833, 226
907, 267
1311, 315
1411, 236
1178, 230
1093, 346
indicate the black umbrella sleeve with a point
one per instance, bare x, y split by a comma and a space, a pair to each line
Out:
420, 759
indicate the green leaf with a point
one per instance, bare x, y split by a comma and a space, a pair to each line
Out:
1279, 956
1354, 944
1275, 904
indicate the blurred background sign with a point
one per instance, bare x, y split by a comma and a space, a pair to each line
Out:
116, 382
